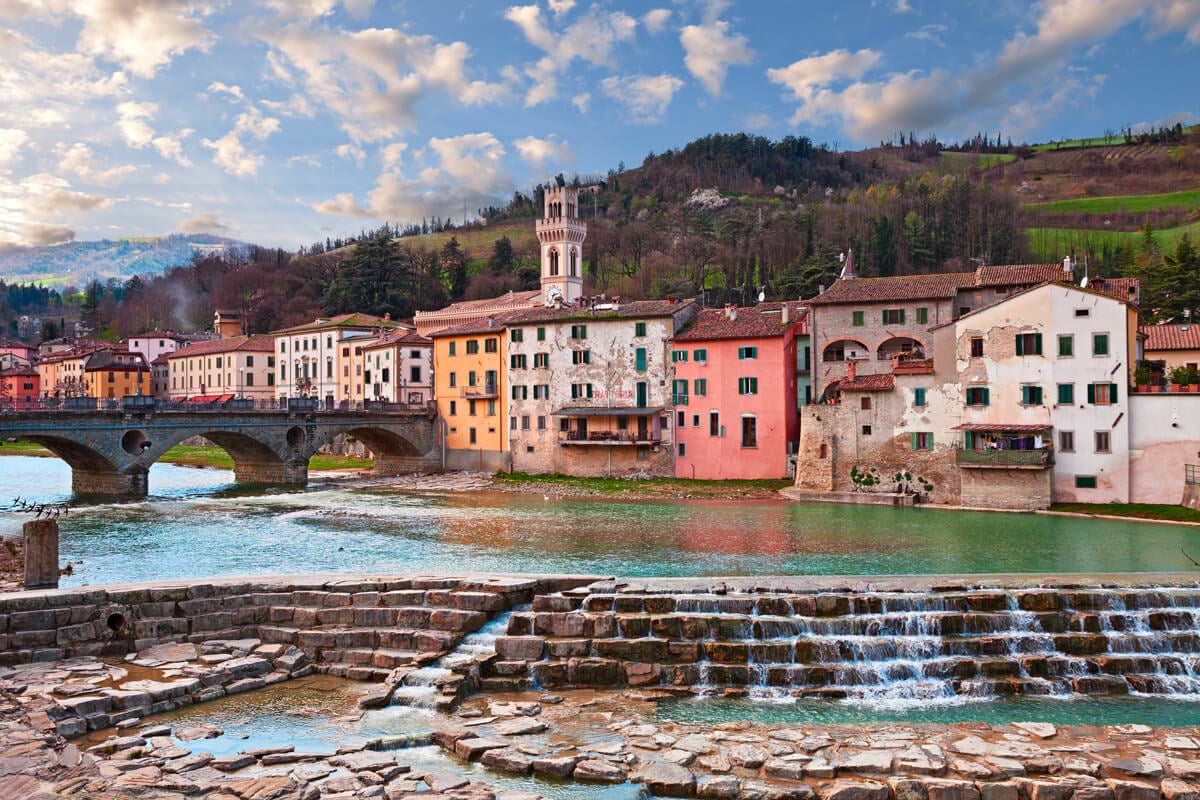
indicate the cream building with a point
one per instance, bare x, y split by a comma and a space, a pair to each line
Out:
317, 360
241, 367
398, 368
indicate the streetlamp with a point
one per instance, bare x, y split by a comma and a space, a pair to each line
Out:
241, 383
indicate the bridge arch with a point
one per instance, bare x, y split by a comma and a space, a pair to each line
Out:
92, 471
393, 451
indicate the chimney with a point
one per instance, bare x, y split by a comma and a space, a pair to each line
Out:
387, 317
786, 314
733, 315
728, 310
491, 322
1068, 269
851, 370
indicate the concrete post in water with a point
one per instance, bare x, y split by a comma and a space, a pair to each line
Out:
41, 554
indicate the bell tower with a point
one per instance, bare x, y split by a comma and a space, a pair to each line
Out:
560, 233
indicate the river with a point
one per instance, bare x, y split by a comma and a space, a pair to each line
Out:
198, 523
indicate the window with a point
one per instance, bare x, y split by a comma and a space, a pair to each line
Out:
541, 391
249, 361
1085, 481
866, 430
525, 422
385, 376
520, 393
679, 392
922, 315
1066, 346
219, 364
1083, 312
270, 361
700, 387
1066, 394
714, 423
918, 398
640, 359
581, 356
270, 379
516, 361
579, 331
453, 407
512, 423
471, 407
541, 334
682, 449
747, 385
747, 353
1103, 442
1029, 344
857, 319
865, 403
472, 347
639, 329
749, 432
541, 423
453, 348
1066, 441
516, 335
453, 380
695, 420
976, 347
282, 346
977, 395
701, 356
680, 418
490, 345
679, 356
893, 316
471, 378
541, 360
329, 368
581, 390
1031, 395
1102, 394
922, 441
1099, 344
414, 374
472, 435
491, 410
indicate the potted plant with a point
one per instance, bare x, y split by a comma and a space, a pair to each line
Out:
1193, 380
1180, 377
1141, 376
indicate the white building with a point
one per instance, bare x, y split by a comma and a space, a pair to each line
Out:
316, 360
398, 368
560, 233
239, 367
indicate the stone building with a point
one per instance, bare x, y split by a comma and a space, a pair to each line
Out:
736, 392
870, 320
589, 389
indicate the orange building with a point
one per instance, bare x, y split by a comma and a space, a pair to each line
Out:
469, 385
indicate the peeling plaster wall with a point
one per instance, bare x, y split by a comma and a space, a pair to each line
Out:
1165, 436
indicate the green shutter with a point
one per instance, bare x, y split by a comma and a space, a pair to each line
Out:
902, 316
969, 440
1112, 393
589, 391
912, 441
1037, 344
1092, 393
929, 439
641, 359
1020, 345
986, 395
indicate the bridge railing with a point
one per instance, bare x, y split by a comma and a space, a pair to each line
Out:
142, 403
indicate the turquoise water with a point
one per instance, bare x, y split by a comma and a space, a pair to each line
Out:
198, 523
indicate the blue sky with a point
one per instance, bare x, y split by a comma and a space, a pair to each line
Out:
284, 121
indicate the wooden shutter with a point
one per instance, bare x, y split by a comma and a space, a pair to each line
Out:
913, 441
1020, 344
1112, 393
1037, 344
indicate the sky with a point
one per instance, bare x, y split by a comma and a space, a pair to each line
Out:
282, 122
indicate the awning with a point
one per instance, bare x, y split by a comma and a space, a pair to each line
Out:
991, 427
592, 411
204, 399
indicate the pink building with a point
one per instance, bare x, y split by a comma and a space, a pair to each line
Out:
735, 392
20, 388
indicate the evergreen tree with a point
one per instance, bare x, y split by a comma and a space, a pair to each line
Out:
454, 262
502, 260
376, 278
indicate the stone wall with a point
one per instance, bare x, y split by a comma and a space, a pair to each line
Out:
1009, 489
354, 627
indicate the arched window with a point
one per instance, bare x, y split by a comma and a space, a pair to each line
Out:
824, 451
554, 262
574, 265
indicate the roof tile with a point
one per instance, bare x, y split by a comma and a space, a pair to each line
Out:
1171, 337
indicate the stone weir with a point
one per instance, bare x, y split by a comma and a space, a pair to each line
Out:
901, 639
254, 631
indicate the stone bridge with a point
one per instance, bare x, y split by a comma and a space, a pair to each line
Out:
111, 452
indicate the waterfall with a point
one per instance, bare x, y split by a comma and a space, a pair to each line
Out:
422, 686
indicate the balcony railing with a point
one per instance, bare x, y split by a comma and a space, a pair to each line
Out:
487, 389
1000, 459
1191, 473
608, 438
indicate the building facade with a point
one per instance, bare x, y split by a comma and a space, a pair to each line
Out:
398, 368
469, 386
736, 392
1174, 345
241, 367
589, 389
20, 388
317, 361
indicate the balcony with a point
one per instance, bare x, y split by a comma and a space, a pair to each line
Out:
1004, 459
608, 438
485, 391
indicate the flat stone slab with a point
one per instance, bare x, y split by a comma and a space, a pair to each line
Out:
593, 769
166, 653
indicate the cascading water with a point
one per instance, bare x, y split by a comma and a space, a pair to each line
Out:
420, 688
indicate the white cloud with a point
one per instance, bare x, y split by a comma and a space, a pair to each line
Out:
1184, 118
351, 151
142, 36
391, 155
536, 152
371, 79
307, 160
34, 210
591, 38
138, 134
655, 20
77, 160
216, 87
582, 101
230, 152
929, 33
57, 203
295, 106
449, 172
560, 7
11, 142
1025, 79
42, 88
40, 234
711, 50
207, 222
645, 96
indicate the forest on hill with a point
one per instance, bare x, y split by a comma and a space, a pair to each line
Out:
732, 216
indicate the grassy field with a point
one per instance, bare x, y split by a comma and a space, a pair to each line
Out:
983, 160
1075, 144
478, 242
649, 488
1050, 244
208, 456
1131, 204
1133, 510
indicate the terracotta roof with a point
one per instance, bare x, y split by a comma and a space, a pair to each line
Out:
492, 324
17, 372
343, 321
1006, 298
632, 310
1171, 337
503, 301
1121, 288
106, 359
261, 343
944, 285
868, 383
402, 336
762, 321
157, 334
162, 359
